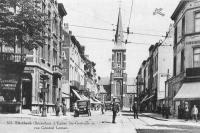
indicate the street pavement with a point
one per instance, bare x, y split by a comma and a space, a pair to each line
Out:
97, 123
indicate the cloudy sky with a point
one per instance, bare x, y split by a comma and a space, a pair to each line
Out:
103, 14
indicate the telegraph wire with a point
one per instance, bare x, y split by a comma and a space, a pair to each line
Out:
89, 27
105, 29
103, 39
128, 28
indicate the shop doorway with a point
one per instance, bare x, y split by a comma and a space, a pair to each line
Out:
26, 94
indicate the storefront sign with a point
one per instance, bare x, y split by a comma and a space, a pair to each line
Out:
8, 84
28, 70
193, 42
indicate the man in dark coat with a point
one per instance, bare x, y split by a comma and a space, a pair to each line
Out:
115, 109
57, 107
135, 111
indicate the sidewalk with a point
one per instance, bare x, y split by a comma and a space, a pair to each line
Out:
171, 118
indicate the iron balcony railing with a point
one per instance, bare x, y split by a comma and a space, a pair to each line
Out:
12, 58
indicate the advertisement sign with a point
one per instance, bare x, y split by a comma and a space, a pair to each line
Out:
8, 84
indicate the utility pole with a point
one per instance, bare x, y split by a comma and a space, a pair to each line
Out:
166, 87
137, 93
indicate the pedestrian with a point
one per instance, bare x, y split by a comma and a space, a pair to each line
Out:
57, 107
64, 109
186, 112
89, 107
115, 110
102, 108
163, 110
167, 111
135, 111
194, 112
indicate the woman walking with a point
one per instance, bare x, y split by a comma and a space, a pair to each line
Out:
194, 112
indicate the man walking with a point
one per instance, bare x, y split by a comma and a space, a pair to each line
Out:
135, 111
115, 109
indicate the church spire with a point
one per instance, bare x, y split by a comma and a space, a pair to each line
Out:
119, 31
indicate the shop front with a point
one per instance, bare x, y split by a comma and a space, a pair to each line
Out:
11, 69
189, 94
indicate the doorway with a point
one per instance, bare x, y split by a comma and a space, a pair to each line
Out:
26, 94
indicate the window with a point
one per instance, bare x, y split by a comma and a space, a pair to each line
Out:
182, 61
119, 56
175, 66
197, 22
49, 19
54, 57
196, 55
49, 56
175, 36
183, 26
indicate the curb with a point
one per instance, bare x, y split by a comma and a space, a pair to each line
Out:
156, 118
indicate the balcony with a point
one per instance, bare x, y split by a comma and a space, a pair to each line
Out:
12, 58
192, 74
75, 84
57, 70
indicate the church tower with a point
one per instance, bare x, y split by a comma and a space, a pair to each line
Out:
118, 74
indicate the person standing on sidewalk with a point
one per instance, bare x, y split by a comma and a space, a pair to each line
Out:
102, 108
135, 111
115, 110
194, 112
186, 112
57, 107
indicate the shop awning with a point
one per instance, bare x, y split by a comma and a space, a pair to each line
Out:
76, 93
150, 97
189, 91
92, 101
64, 95
83, 97
97, 101
144, 99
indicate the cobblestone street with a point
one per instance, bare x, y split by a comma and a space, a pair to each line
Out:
98, 123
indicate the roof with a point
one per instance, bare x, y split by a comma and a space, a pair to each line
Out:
101, 89
104, 81
181, 4
61, 9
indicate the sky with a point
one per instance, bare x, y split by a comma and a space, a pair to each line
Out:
103, 14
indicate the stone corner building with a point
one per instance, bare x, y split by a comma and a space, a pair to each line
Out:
23, 76
184, 85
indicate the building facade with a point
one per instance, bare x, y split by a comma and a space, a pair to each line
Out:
41, 76
183, 86
154, 72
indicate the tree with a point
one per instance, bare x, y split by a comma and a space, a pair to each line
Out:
22, 21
